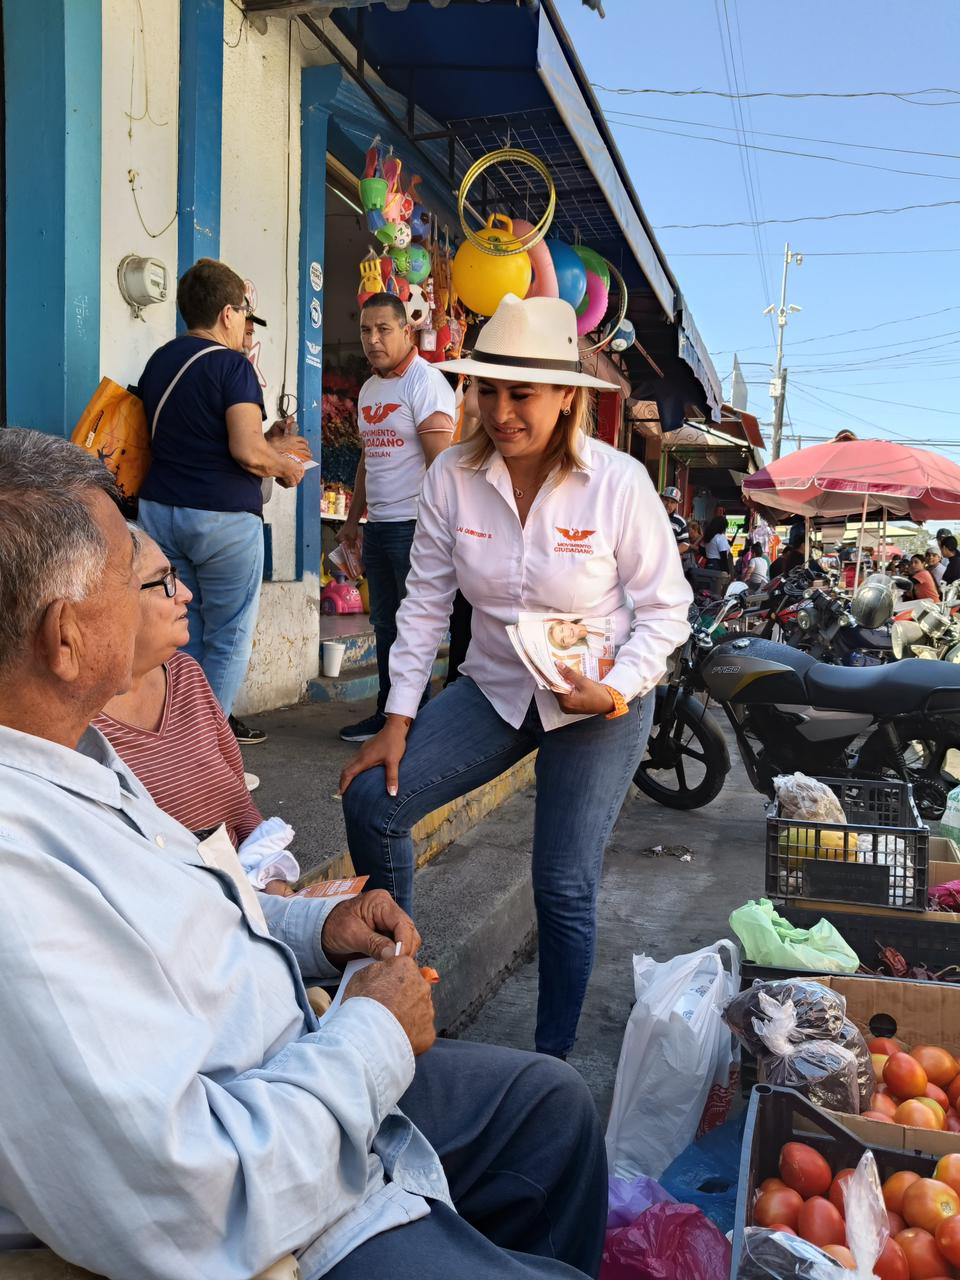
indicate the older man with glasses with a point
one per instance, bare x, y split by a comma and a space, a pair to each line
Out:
171, 1105
202, 500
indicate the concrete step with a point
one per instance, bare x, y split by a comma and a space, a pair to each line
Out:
355, 683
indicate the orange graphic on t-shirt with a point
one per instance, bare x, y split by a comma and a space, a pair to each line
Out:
379, 413
576, 535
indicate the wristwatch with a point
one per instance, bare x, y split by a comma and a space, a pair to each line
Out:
620, 707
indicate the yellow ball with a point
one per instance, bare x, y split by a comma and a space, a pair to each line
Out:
481, 279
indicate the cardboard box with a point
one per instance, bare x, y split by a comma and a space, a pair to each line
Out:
944, 867
916, 1013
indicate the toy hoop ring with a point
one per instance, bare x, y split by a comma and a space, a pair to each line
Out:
504, 248
622, 315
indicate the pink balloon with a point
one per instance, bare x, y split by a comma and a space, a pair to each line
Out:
544, 283
597, 297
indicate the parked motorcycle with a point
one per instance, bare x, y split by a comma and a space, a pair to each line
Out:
790, 712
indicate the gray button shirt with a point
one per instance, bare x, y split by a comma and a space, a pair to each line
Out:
170, 1106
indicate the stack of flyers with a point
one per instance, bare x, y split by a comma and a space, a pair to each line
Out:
347, 556
544, 640
346, 888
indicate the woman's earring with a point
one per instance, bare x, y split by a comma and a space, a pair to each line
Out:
565, 412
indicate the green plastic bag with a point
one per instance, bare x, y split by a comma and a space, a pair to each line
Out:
770, 940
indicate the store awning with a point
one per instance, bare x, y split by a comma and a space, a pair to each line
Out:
500, 73
741, 425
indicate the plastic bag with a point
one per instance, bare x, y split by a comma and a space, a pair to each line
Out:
823, 1071
774, 1255
769, 939
950, 822
676, 1048
627, 1200
819, 1011
706, 1173
852, 1039
667, 1242
807, 799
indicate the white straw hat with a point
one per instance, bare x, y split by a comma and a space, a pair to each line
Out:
529, 340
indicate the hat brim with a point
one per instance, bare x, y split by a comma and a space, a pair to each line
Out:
523, 373
257, 320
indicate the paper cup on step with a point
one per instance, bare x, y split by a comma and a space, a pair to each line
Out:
333, 652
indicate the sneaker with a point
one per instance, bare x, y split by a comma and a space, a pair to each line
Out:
366, 729
252, 781
243, 733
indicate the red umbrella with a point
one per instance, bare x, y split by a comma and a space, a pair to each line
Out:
848, 477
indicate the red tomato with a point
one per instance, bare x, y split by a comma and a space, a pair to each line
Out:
948, 1240
820, 1223
772, 1184
836, 1190
927, 1203
904, 1076
953, 1090
941, 1067
781, 1226
842, 1255
777, 1206
948, 1171
880, 1117
805, 1170
924, 1259
885, 1046
892, 1263
885, 1103
895, 1186
895, 1222
953, 1121
935, 1109
939, 1097
916, 1115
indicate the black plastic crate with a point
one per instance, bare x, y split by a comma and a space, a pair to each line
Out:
881, 857
776, 1116
920, 939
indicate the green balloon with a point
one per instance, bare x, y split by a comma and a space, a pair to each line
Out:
594, 262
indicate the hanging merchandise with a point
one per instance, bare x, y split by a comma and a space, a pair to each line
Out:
610, 330
373, 187
412, 263
570, 271
593, 307
544, 284
624, 337
420, 221
371, 278
482, 280
418, 309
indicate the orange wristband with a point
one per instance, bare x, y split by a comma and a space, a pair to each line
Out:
620, 707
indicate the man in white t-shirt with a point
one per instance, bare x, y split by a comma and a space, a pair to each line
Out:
406, 414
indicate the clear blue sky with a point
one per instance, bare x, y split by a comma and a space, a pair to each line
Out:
836, 46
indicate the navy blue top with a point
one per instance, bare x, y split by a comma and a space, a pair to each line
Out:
192, 465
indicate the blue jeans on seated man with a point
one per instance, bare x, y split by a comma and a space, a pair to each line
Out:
386, 562
219, 556
459, 742
522, 1148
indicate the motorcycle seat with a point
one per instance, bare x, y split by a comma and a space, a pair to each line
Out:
897, 688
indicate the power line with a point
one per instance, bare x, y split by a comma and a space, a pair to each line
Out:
900, 404
810, 217
901, 342
784, 151
791, 137
842, 333
813, 253
906, 95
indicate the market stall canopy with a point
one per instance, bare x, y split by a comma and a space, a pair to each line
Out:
468, 79
849, 476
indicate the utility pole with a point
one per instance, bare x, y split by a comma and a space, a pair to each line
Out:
778, 387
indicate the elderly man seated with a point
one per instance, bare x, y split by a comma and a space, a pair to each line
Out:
171, 1108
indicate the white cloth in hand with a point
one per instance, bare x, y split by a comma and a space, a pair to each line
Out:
264, 853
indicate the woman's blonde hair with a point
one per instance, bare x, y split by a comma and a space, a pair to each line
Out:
561, 451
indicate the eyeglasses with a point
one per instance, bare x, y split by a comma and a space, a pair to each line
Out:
168, 582
245, 309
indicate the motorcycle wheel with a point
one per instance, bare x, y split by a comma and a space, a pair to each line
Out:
932, 757
686, 760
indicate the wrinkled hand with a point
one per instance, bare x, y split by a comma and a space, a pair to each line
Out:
282, 427
399, 986
292, 474
299, 446
349, 531
586, 697
279, 888
370, 924
386, 748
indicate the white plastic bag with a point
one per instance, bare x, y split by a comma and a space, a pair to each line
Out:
676, 1047
950, 822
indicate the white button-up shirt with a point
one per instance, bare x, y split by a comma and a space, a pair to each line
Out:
596, 544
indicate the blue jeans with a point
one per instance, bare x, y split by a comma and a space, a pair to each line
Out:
219, 556
386, 562
583, 770
522, 1149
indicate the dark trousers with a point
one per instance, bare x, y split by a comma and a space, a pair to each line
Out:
522, 1149
386, 561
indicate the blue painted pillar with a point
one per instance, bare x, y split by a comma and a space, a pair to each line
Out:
52, 69
201, 132
318, 89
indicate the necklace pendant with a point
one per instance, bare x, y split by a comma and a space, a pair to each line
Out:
517, 493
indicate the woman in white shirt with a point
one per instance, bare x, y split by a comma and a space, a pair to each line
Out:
716, 548
529, 515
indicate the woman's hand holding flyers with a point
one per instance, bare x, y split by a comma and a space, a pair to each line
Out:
587, 697
385, 748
